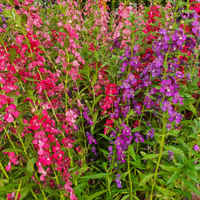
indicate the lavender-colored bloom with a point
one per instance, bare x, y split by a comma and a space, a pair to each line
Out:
179, 74
126, 130
173, 64
174, 115
185, 15
148, 102
163, 31
125, 110
167, 87
150, 133
138, 137
168, 126
171, 154
118, 181
196, 28
131, 79
188, 76
146, 81
190, 42
125, 85
177, 98
137, 109
94, 151
179, 37
4, 26
196, 147
166, 106
91, 139
134, 62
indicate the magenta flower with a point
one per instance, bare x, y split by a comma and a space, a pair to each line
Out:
167, 87
10, 112
196, 147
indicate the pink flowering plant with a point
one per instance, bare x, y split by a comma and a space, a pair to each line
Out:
98, 103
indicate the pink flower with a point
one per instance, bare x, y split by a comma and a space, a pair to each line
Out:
10, 112
35, 123
11, 196
8, 167
46, 159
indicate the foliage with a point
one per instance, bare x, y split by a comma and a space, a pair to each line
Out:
97, 104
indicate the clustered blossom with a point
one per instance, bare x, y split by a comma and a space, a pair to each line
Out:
92, 141
118, 181
122, 142
13, 160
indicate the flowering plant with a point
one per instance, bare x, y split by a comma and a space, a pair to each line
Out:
99, 109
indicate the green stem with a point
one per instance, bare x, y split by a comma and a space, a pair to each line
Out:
18, 190
159, 158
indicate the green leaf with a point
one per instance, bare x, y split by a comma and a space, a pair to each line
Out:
24, 19
13, 150
28, 42
169, 168
193, 109
125, 197
95, 176
69, 67
13, 54
192, 187
104, 151
30, 164
94, 79
173, 177
66, 45
2, 41
79, 188
150, 156
82, 169
165, 191
183, 193
25, 192
132, 152
96, 194
145, 179
98, 99
31, 79
28, 139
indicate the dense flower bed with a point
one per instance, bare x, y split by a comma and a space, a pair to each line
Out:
98, 104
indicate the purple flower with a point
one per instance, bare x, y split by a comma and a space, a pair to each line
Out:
179, 74
171, 154
148, 102
131, 79
138, 137
163, 31
167, 87
126, 130
150, 133
134, 61
185, 15
196, 147
196, 28
175, 115
168, 126
177, 98
190, 42
94, 151
179, 37
137, 109
118, 181
125, 85
166, 105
